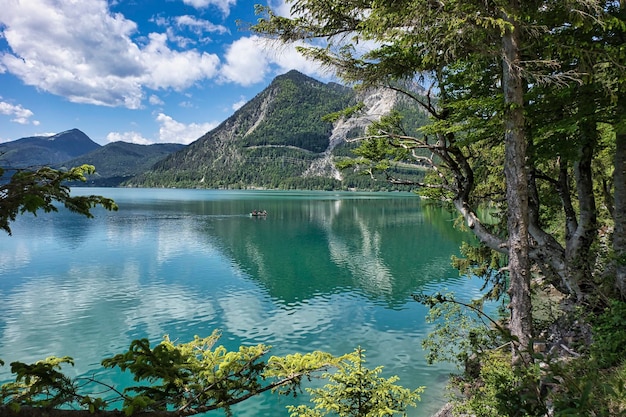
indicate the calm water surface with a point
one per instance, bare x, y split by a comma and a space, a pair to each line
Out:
327, 271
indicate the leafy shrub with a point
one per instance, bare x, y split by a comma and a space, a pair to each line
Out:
609, 347
503, 390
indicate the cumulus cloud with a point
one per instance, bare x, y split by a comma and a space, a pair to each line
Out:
188, 30
223, 5
288, 58
82, 51
174, 69
246, 61
199, 26
86, 53
172, 131
19, 114
155, 100
239, 104
132, 137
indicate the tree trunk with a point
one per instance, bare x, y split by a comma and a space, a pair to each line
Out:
578, 244
619, 183
619, 216
546, 252
516, 190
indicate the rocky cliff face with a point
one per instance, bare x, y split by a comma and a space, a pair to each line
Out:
376, 104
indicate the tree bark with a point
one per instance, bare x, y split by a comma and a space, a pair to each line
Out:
619, 182
517, 192
619, 216
578, 244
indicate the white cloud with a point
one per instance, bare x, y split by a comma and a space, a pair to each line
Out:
199, 26
249, 59
288, 58
280, 7
179, 26
132, 137
19, 113
239, 104
82, 51
223, 5
178, 70
172, 131
246, 61
155, 100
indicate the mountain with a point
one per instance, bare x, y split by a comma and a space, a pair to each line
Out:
279, 139
37, 151
119, 161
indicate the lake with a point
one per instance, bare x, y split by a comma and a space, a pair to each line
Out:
323, 271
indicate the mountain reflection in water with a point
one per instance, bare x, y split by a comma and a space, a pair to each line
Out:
327, 271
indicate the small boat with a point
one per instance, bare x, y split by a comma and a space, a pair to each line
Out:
258, 213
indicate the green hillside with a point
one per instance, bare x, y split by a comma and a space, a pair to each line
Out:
268, 143
119, 161
37, 151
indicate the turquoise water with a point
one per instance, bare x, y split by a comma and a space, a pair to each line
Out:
323, 271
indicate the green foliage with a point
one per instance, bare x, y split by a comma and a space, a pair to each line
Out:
386, 153
492, 387
568, 57
30, 191
181, 379
578, 393
609, 347
356, 391
39, 385
503, 390
462, 332
346, 112
481, 261
581, 387
198, 376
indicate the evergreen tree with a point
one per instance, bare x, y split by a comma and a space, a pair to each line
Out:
28, 191
356, 391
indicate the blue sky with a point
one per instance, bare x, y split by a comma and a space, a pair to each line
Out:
142, 71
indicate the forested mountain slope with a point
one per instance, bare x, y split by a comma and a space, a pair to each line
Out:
274, 136
118, 161
279, 139
38, 151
